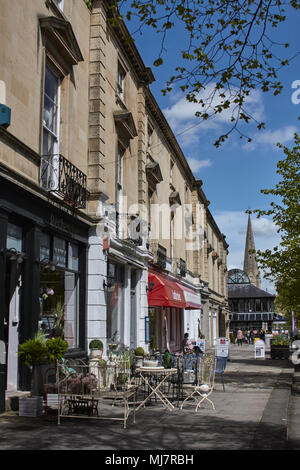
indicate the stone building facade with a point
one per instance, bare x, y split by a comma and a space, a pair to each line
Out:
44, 77
98, 205
145, 199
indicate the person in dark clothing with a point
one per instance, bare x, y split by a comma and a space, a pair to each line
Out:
262, 334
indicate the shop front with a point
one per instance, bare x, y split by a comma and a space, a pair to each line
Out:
43, 276
169, 301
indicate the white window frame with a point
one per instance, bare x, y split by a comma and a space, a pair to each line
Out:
121, 81
50, 164
120, 182
60, 4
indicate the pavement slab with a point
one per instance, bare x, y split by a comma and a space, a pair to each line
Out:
251, 414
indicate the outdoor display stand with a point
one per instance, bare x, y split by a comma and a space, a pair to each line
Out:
98, 392
222, 347
259, 349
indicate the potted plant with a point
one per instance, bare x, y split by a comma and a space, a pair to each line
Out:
96, 347
139, 356
280, 347
36, 353
167, 360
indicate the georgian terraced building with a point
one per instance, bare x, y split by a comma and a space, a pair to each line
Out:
164, 254
44, 76
105, 233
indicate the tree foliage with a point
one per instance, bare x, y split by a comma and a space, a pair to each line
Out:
282, 263
229, 49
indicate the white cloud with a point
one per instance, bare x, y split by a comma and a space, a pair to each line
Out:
284, 135
196, 165
234, 225
189, 129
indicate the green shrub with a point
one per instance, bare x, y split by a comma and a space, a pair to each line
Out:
37, 351
33, 351
139, 351
280, 340
56, 349
96, 344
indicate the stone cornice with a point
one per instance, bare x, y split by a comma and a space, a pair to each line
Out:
121, 33
19, 146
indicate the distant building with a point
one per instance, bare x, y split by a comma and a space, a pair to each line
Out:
250, 306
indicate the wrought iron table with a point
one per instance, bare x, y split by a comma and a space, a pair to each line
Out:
160, 375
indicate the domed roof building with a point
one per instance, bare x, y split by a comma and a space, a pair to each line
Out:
250, 306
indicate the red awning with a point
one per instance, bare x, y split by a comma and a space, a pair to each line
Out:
164, 292
192, 299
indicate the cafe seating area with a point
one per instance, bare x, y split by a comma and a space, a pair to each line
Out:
119, 387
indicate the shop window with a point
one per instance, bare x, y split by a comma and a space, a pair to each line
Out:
59, 288
115, 302
59, 307
14, 237
73, 257
59, 252
45, 247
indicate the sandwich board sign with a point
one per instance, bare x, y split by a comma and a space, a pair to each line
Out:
222, 347
259, 349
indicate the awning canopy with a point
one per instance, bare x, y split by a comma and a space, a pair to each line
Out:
164, 292
192, 299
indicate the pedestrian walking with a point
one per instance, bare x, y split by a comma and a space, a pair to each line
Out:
251, 336
262, 334
239, 337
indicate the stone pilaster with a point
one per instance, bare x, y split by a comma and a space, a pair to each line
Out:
97, 108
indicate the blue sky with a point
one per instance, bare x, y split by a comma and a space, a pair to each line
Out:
233, 174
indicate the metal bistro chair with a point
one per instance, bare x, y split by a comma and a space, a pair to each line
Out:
221, 363
204, 383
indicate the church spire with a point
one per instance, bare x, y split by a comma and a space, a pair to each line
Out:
250, 265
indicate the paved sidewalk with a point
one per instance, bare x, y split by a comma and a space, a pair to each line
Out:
251, 414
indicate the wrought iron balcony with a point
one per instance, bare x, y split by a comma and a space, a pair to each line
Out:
60, 176
161, 256
182, 267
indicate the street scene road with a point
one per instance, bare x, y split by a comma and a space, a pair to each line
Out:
259, 410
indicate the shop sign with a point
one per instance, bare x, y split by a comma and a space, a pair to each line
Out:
259, 349
176, 295
222, 347
59, 223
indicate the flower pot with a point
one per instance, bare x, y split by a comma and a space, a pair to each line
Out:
31, 406
96, 353
279, 351
139, 361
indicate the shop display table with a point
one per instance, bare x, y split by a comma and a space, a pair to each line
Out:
161, 375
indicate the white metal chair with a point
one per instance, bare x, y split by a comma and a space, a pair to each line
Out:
205, 383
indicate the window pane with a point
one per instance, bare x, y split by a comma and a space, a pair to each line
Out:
50, 101
14, 237
73, 262
45, 246
59, 252
59, 305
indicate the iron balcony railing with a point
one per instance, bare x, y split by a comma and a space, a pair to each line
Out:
60, 176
